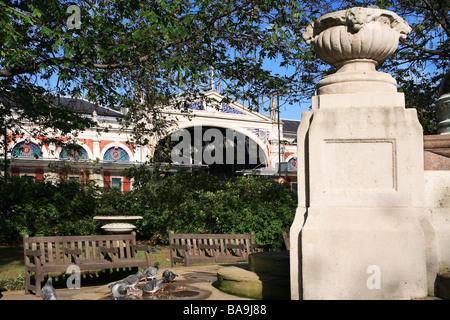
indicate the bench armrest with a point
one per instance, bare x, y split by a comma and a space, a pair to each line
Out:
211, 247
234, 246
110, 252
75, 252
179, 247
107, 250
175, 254
34, 253
33, 257
141, 247
265, 247
238, 247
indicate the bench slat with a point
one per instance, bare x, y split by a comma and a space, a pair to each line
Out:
80, 238
50, 251
94, 250
210, 236
86, 250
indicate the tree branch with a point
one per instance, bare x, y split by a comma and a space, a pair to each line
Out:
436, 16
424, 50
55, 61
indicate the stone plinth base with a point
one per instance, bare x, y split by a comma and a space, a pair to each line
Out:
361, 230
275, 263
363, 253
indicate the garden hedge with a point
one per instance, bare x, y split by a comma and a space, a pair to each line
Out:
183, 202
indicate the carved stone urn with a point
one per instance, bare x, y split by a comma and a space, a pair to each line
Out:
356, 41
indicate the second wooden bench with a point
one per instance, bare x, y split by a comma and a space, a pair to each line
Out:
189, 248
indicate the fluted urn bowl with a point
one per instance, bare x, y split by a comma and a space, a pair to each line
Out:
355, 41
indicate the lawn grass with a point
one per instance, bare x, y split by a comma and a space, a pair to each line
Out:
12, 269
11, 261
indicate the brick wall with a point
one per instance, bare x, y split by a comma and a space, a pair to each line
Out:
436, 152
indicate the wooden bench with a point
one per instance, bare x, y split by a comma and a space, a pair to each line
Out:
43, 255
188, 248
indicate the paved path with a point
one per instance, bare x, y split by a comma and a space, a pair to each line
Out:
201, 277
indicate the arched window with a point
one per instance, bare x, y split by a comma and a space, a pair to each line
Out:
292, 164
116, 154
26, 150
72, 154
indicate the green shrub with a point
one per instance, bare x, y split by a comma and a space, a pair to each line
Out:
183, 202
202, 203
46, 209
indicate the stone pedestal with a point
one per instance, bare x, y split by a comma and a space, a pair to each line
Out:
437, 194
360, 229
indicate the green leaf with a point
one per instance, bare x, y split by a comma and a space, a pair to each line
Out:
45, 31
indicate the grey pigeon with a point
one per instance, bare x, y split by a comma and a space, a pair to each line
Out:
155, 249
47, 291
152, 286
132, 280
119, 290
151, 272
169, 276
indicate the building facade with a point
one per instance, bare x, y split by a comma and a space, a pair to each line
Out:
102, 157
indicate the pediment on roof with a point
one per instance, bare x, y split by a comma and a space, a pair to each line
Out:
231, 110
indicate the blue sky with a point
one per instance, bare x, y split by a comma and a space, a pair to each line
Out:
287, 111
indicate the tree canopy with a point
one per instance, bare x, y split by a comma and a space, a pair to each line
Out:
133, 54
145, 56
420, 62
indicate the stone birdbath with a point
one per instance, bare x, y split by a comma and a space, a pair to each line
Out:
117, 224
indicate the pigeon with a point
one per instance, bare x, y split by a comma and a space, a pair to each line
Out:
132, 280
119, 290
47, 291
169, 276
151, 272
155, 249
152, 286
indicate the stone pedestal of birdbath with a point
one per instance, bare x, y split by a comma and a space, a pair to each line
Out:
118, 224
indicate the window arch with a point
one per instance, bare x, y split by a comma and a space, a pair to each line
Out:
116, 154
26, 150
72, 154
292, 163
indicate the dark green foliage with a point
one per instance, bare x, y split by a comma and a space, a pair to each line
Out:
45, 209
202, 203
184, 202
